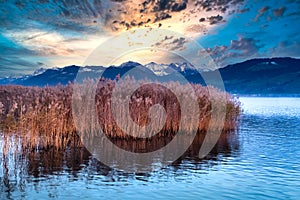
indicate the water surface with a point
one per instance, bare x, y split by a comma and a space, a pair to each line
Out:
261, 161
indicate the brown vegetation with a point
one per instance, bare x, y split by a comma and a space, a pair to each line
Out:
46, 113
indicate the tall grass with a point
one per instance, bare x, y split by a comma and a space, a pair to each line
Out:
44, 115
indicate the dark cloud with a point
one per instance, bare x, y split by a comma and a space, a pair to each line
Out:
279, 12
178, 44
246, 46
244, 10
127, 15
218, 53
261, 12
219, 5
264, 9
55, 15
243, 48
202, 19
164, 5
171, 44
161, 16
16, 64
215, 19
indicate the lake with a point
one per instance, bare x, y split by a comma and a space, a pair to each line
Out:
260, 161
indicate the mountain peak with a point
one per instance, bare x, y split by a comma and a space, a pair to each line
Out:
256, 76
130, 64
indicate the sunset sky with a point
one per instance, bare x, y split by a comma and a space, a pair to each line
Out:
52, 33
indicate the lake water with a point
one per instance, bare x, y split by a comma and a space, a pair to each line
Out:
261, 161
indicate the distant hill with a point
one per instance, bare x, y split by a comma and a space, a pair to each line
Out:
263, 76
274, 76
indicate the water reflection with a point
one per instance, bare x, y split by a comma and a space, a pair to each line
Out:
23, 166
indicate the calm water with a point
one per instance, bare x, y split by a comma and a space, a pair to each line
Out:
261, 161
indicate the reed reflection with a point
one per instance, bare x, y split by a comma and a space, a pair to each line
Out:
21, 163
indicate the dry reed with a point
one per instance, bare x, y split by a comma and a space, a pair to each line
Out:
44, 115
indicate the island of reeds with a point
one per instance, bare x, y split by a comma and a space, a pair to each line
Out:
43, 115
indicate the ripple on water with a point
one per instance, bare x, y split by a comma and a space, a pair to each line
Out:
262, 162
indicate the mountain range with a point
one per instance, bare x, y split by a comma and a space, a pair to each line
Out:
264, 76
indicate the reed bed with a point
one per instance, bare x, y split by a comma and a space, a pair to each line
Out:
44, 115
169, 95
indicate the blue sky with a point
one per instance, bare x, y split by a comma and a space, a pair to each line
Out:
265, 29
49, 33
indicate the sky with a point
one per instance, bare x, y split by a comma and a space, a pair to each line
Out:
52, 33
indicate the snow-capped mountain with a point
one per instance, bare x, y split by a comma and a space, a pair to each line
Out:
159, 69
168, 69
256, 76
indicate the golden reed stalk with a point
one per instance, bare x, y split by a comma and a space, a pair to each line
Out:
44, 115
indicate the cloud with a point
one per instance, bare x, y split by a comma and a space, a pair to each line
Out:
197, 28
41, 42
68, 15
222, 6
242, 48
171, 44
261, 12
125, 15
215, 19
246, 46
264, 9
243, 10
285, 49
15, 58
17, 64
279, 12
162, 5
161, 16
60, 32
